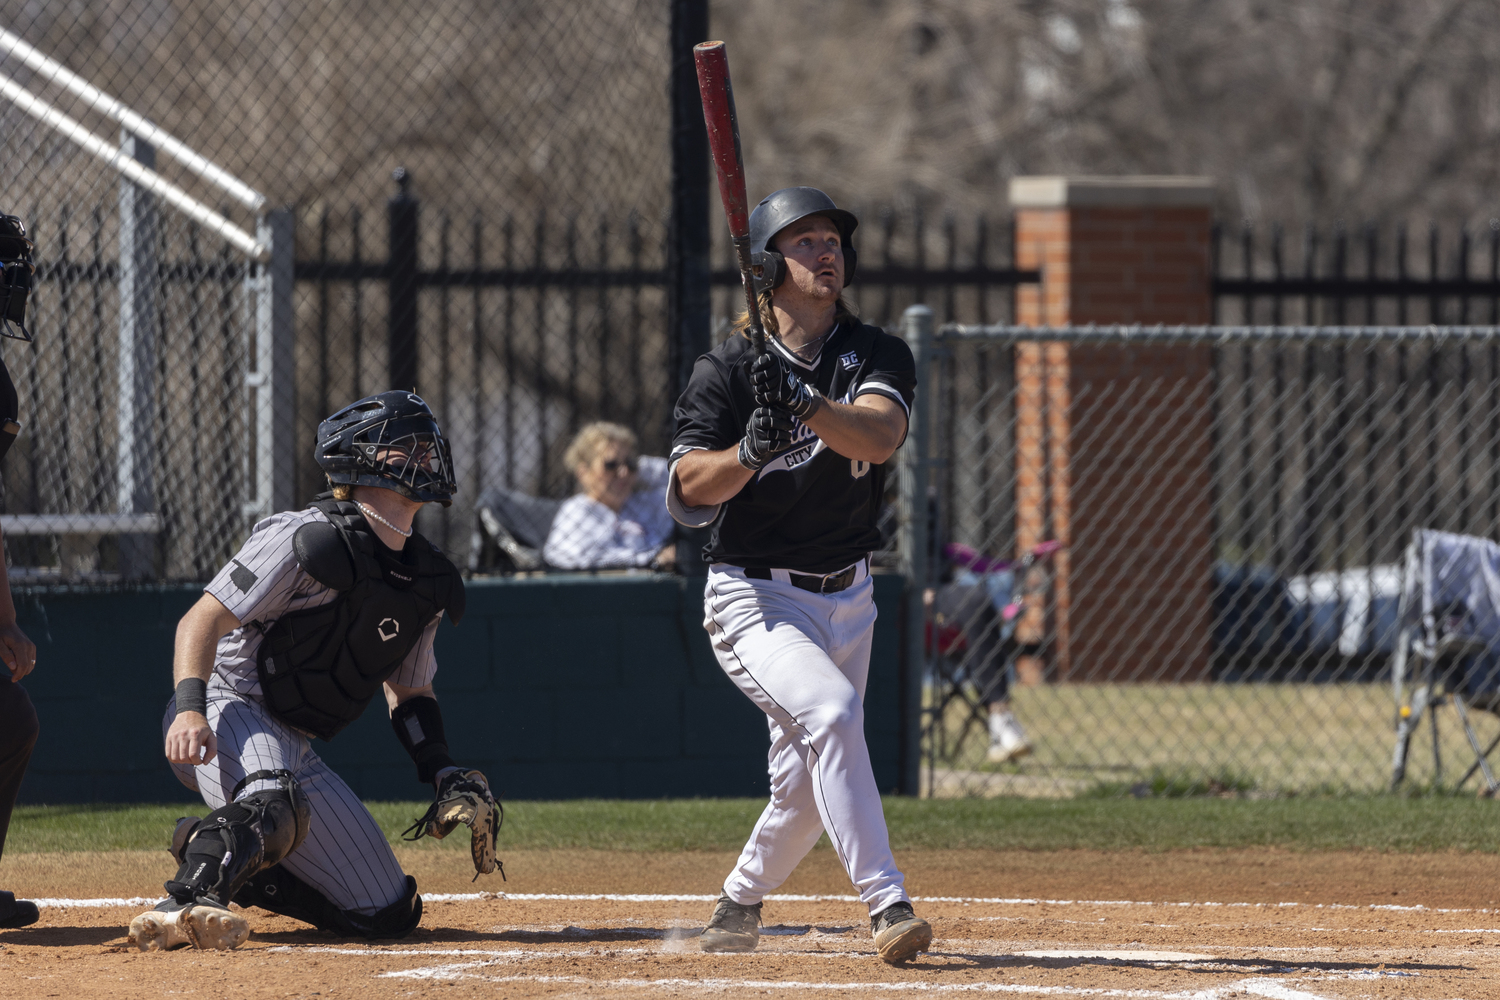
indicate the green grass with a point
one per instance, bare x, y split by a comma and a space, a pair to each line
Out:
1275, 738
1381, 823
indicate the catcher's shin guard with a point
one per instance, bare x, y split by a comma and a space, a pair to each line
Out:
229, 845
279, 891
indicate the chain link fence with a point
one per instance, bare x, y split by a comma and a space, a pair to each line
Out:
490, 204
517, 276
1172, 560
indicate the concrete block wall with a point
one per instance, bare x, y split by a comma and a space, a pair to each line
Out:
558, 688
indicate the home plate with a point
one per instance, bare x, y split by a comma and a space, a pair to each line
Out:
1121, 956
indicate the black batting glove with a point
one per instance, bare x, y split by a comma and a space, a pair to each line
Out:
769, 432
775, 384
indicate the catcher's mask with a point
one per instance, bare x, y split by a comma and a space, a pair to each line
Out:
16, 272
779, 210
391, 441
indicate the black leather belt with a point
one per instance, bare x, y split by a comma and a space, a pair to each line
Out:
830, 584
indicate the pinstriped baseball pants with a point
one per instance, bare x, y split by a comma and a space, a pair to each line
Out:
345, 855
804, 660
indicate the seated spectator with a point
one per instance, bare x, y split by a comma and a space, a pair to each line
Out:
619, 516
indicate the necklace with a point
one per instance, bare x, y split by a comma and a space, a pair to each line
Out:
371, 512
801, 352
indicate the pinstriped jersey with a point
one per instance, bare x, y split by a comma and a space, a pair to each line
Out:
263, 582
809, 509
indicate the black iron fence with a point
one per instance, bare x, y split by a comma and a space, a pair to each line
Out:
520, 331
1365, 276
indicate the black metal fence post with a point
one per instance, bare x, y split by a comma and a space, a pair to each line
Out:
689, 293
401, 278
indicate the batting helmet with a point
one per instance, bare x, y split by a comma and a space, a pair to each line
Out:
391, 441
779, 210
16, 271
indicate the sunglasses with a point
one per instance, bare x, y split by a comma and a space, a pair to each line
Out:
614, 465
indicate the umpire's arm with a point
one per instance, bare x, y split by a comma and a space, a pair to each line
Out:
189, 739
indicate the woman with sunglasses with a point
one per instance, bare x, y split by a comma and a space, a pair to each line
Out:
617, 519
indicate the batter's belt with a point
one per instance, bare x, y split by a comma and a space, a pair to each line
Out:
832, 583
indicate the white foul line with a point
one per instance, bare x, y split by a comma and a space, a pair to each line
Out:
653, 897
1266, 988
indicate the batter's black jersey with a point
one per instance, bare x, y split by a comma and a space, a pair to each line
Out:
809, 509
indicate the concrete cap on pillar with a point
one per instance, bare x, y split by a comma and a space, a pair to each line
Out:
1113, 192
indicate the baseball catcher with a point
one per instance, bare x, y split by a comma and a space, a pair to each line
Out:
320, 611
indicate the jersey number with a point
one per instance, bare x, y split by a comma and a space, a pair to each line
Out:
858, 469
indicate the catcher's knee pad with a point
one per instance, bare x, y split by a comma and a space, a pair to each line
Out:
229, 845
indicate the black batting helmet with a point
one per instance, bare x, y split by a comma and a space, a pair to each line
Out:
391, 441
16, 270
779, 210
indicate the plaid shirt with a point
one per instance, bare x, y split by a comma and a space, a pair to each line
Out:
588, 535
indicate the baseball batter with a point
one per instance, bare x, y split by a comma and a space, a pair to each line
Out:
321, 610
784, 455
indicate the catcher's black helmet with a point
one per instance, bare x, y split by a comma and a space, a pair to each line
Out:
391, 441
779, 210
16, 271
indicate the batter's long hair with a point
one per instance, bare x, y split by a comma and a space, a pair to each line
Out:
841, 311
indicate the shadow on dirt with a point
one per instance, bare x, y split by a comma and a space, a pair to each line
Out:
63, 937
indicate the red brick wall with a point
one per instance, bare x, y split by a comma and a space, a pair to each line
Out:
1112, 453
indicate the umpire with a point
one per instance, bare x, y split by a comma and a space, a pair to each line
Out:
18, 722
783, 454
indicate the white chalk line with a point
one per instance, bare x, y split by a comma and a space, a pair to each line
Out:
644, 897
1274, 989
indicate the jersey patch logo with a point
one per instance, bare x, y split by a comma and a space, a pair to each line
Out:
850, 361
241, 576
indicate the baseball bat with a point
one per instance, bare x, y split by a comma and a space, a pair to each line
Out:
724, 141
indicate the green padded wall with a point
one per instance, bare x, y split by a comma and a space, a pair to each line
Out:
558, 687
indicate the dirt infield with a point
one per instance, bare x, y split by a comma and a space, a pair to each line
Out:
1207, 925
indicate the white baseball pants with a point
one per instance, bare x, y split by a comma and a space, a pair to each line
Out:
345, 855
804, 660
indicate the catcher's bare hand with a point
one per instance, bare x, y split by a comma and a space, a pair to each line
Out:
464, 796
190, 740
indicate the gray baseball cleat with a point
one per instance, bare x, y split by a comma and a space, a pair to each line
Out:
202, 925
733, 927
899, 933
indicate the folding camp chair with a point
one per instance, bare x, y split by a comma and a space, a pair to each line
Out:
517, 524
971, 639
1449, 644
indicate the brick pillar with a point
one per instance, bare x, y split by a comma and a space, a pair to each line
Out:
1113, 442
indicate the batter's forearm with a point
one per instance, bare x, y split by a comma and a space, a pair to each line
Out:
867, 430
708, 478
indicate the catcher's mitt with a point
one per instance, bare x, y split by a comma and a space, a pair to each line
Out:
464, 796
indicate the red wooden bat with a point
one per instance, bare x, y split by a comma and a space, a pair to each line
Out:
724, 141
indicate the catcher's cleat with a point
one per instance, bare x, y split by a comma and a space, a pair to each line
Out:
17, 912
899, 933
202, 925
733, 927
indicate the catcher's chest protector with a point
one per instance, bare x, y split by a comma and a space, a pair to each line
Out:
320, 667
